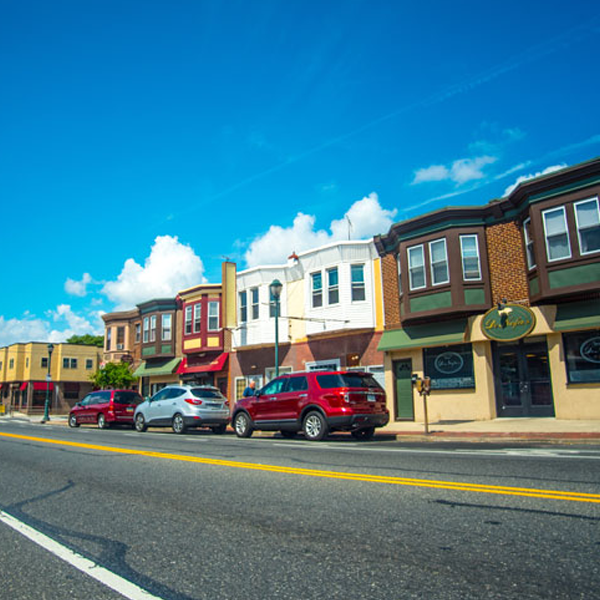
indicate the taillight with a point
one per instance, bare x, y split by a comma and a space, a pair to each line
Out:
336, 398
193, 401
226, 403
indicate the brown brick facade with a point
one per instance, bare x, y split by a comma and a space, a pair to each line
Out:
391, 297
508, 269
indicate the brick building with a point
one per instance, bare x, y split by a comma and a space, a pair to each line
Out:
498, 304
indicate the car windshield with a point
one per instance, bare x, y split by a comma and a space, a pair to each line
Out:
351, 380
127, 398
205, 393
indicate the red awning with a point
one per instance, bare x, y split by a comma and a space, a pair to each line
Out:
42, 385
23, 386
214, 365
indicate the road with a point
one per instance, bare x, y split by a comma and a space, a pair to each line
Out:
90, 514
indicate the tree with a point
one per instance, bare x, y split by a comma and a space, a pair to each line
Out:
116, 375
87, 340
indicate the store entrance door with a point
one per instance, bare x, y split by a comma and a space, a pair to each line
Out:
403, 391
522, 377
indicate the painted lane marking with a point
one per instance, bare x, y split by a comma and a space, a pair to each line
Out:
88, 567
427, 483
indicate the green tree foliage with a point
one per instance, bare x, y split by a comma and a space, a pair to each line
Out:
113, 375
87, 340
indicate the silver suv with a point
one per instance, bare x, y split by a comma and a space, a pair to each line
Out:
182, 407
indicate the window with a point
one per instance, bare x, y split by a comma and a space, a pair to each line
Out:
557, 235
153, 328
450, 367
317, 289
243, 306
275, 387
333, 287
438, 256
297, 384
254, 299
399, 275
138, 331
27, 362
528, 243
11, 363
73, 363
188, 320
357, 276
197, 317
108, 339
120, 338
69, 363
89, 363
44, 364
213, 316
582, 351
166, 327
416, 267
587, 216
469, 250
146, 329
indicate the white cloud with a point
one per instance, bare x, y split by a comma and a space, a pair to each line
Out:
78, 288
363, 219
171, 267
523, 178
28, 329
460, 171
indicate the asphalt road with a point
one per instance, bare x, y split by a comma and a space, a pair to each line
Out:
206, 516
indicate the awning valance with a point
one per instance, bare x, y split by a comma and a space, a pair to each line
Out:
42, 385
418, 336
23, 386
163, 367
216, 364
577, 315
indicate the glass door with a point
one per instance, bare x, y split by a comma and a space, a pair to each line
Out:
523, 380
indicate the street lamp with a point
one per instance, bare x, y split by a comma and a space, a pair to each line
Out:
48, 380
275, 289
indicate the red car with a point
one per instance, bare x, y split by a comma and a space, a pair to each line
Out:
105, 407
315, 402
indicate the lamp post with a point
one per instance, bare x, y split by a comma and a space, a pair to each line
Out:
48, 380
275, 289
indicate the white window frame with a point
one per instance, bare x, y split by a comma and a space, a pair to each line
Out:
566, 224
188, 320
197, 326
243, 298
575, 205
254, 306
138, 333
398, 262
166, 327
333, 288
108, 339
529, 254
431, 269
213, 307
359, 285
146, 335
421, 248
153, 328
270, 372
314, 292
332, 364
462, 256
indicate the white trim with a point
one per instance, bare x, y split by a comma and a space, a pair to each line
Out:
410, 282
462, 256
530, 265
595, 200
320, 365
564, 214
447, 280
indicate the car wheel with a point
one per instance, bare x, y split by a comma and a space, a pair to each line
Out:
73, 421
178, 424
102, 424
219, 429
364, 434
315, 426
140, 423
242, 425
286, 433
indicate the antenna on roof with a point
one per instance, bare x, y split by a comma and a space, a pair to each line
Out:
349, 227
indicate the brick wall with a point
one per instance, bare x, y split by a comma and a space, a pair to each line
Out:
508, 269
391, 298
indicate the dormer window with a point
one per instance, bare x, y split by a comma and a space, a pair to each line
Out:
556, 233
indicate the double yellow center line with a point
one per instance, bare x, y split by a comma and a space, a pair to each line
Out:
425, 483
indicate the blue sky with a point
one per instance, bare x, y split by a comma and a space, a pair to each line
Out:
141, 143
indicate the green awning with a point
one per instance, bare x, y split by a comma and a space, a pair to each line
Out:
417, 336
577, 315
157, 367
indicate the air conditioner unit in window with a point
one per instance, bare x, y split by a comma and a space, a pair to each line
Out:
120, 346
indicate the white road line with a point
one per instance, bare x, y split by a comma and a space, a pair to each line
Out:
104, 576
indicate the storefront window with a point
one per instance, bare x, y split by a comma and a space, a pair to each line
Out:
583, 356
450, 367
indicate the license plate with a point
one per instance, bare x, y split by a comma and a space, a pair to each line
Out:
212, 405
129, 409
371, 397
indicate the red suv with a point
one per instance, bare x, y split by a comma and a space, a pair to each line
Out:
105, 407
315, 402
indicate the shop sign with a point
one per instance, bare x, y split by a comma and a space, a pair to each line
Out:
507, 324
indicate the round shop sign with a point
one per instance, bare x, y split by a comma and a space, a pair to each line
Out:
590, 350
448, 363
510, 323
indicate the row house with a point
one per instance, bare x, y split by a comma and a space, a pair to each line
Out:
499, 305
122, 337
31, 371
329, 315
